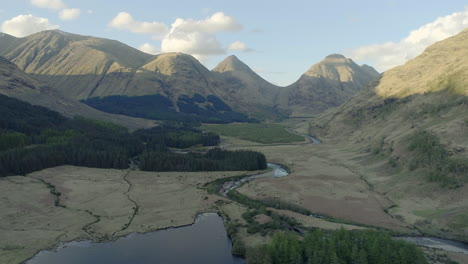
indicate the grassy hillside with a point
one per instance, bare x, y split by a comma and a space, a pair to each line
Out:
410, 129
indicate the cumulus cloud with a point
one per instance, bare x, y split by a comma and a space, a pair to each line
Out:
70, 14
387, 55
239, 46
195, 37
24, 25
150, 49
125, 21
51, 4
198, 37
218, 22
195, 43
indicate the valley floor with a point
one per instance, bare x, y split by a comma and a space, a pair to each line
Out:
69, 203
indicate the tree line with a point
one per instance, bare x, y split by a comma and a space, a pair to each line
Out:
336, 247
34, 138
214, 160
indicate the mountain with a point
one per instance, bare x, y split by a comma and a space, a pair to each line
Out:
84, 67
243, 83
410, 129
16, 83
326, 84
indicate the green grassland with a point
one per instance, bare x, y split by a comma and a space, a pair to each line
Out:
256, 132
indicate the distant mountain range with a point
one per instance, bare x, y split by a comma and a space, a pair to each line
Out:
83, 67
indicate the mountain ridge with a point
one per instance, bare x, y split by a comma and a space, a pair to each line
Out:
82, 67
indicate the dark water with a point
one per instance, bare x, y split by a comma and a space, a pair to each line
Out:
205, 241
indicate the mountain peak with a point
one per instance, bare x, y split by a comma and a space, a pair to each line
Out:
333, 67
232, 63
173, 62
335, 56
326, 84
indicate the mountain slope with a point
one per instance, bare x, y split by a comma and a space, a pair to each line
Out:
15, 83
82, 67
243, 83
326, 84
410, 128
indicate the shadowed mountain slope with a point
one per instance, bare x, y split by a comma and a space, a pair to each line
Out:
15, 83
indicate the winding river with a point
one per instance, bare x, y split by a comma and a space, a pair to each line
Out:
279, 171
205, 241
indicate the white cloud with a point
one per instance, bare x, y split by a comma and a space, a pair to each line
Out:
198, 37
90, 11
218, 22
70, 14
195, 37
51, 4
387, 55
195, 43
125, 21
24, 25
239, 46
150, 49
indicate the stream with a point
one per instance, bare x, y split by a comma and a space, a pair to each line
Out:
205, 241
278, 171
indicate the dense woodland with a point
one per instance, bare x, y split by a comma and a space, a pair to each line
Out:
197, 108
33, 138
336, 247
214, 160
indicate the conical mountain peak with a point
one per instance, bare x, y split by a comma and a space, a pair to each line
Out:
232, 63
334, 67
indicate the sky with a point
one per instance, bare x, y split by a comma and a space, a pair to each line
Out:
279, 40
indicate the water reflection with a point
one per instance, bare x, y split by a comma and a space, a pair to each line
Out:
205, 241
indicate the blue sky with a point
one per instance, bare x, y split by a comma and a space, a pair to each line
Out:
278, 39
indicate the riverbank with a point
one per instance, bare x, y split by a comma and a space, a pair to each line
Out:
332, 181
174, 245
69, 203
